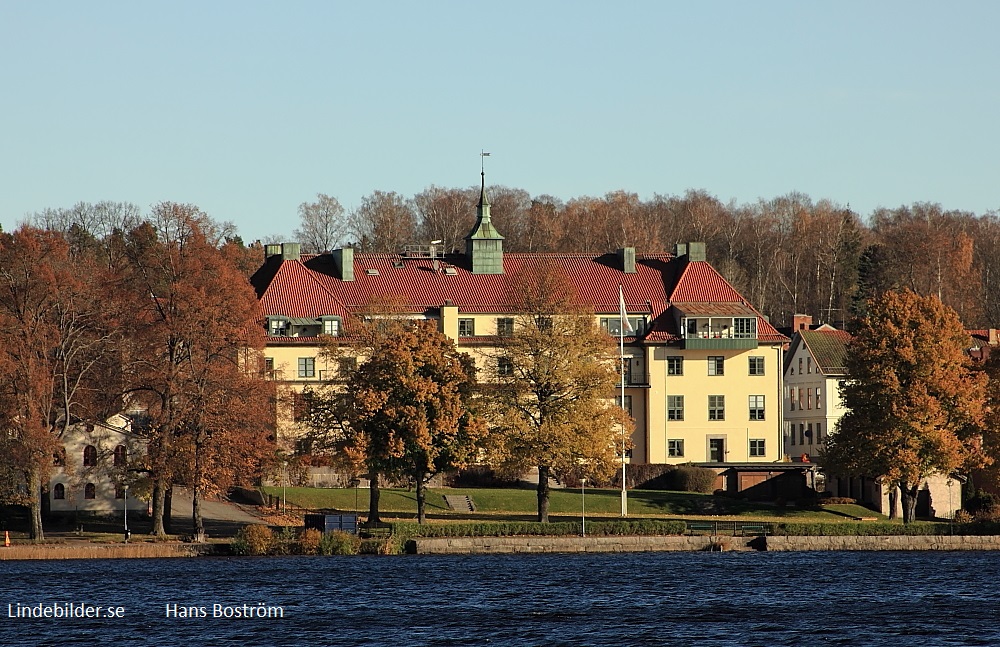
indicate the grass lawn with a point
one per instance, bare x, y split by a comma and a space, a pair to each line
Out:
521, 503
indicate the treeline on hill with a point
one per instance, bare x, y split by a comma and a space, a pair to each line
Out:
148, 315
786, 255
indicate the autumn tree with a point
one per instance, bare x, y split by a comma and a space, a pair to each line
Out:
551, 401
914, 404
409, 408
322, 224
194, 361
52, 336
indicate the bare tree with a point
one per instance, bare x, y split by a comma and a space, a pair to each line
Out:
384, 222
323, 224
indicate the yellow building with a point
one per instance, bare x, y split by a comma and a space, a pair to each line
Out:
703, 377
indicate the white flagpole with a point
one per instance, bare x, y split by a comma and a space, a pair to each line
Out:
621, 355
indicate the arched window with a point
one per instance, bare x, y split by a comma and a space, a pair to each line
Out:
119, 491
120, 455
90, 492
59, 491
89, 456
59, 457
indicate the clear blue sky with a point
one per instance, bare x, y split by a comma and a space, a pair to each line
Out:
248, 109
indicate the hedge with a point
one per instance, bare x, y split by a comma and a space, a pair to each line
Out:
877, 528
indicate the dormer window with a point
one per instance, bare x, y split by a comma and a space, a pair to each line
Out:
277, 326
331, 326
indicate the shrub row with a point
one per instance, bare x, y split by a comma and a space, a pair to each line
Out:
256, 539
877, 528
406, 531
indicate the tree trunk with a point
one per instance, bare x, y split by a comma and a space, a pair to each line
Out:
35, 509
168, 506
373, 495
159, 498
543, 493
893, 498
199, 522
909, 500
421, 498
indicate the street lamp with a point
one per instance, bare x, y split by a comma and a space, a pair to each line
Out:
128, 534
284, 477
583, 506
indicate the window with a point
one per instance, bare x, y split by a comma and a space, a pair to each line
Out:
505, 326
675, 365
716, 364
331, 327
466, 327
716, 407
346, 366
801, 399
59, 457
505, 367
802, 434
756, 365
121, 453
675, 447
756, 407
628, 403
267, 372
614, 325
819, 432
277, 326
800, 366
675, 407
89, 456
307, 367
544, 323
809, 399
90, 491
59, 491
809, 432
791, 397
819, 401
757, 447
745, 328
809, 365
791, 434
119, 491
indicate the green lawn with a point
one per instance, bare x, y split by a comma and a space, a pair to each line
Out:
521, 503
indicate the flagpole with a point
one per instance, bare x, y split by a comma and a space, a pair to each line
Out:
621, 355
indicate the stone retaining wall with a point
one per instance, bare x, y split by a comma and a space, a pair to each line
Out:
899, 542
493, 545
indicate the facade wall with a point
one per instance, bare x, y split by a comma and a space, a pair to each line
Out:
72, 478
817, 405
736, 385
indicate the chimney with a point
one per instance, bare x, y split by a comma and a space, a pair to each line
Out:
994, 340
271, 250
290, 251
693, 251
801, 322
627, 257
343, 259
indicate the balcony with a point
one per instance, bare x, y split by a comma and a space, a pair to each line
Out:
719, 333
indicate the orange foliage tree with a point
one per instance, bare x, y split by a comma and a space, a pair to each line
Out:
914, 403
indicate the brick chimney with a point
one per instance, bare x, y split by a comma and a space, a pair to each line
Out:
994, 337
801, 322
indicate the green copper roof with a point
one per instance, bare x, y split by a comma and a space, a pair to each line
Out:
829, 348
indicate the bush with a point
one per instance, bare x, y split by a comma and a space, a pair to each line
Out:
407, 531
690, 478
834, 500
982, 503
253, 539
649, 476
309, 541
285, 542
339, 543
962, 516
479, 476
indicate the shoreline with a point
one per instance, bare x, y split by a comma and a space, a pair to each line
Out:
541, 545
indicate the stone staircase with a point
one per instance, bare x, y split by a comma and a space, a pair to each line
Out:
460, 503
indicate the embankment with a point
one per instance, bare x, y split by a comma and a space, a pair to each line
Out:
86, 550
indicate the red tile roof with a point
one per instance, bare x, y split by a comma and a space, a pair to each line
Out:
311, 287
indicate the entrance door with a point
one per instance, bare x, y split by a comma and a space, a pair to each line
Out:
717, 450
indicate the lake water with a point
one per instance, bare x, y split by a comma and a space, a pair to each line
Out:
692, 599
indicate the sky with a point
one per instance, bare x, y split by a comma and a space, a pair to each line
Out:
248, 109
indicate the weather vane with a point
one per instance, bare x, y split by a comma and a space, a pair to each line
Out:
483, 155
